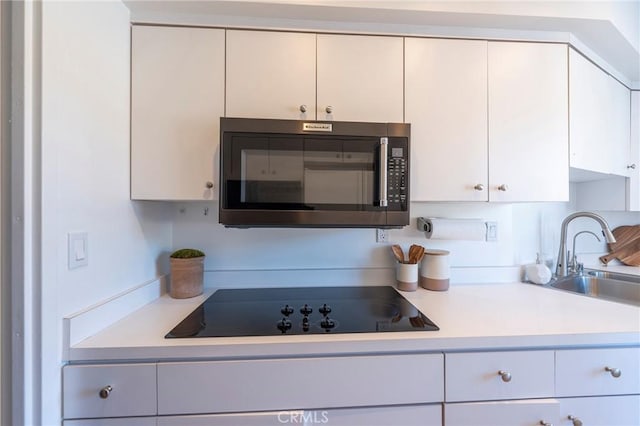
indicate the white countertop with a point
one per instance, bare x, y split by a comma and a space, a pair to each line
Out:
470, 317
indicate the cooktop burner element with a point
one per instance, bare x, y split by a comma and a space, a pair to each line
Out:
302, 310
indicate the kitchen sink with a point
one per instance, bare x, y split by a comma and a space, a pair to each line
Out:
612, 286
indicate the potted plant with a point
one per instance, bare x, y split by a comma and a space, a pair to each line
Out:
187, 271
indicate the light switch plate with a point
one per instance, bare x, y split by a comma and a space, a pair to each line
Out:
78, 253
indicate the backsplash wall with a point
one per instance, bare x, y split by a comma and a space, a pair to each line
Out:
523, 231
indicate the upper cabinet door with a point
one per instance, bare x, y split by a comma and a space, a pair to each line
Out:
177, 99
446, 104
528, 122
599, 119
271, 74
360, 78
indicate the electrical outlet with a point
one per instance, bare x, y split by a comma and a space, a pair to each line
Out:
492, 231
382, 235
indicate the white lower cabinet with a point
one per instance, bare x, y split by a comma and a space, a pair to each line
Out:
410, 415
123, 421
502, 413
600, 411
597, 386
281, 384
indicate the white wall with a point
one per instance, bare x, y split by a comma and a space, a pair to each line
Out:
85, 174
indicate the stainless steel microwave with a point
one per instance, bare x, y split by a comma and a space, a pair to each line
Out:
291, 173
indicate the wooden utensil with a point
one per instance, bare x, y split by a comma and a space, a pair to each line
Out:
398, 253
415, 253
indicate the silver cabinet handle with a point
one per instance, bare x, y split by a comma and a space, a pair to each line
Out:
479, 187
505, 376
303, 108
543, 423
383, 171
615, 372
329, 109
576, 421
105, 391
631, 166
209, 185
503, 187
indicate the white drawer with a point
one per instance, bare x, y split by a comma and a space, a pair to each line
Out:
476, 376
502, 413
133, 390
583, 372
301, 383
601, 410
409, 415
121, 421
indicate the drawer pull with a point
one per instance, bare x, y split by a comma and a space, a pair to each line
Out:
543, 423
576, 421
505, 375
105, 391
615, 372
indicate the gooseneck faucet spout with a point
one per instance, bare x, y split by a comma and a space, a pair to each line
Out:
561, 265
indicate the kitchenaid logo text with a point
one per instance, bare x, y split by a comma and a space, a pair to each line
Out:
303, 417
317, 127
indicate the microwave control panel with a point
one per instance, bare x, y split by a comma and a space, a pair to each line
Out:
397, 182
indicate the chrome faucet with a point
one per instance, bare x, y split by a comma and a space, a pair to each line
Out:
561, 266
573, 265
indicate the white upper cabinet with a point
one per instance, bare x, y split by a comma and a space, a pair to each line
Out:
634, 167
177, 99
489, 120
528, 124
600, 117
359, 78
271, 74
446, 104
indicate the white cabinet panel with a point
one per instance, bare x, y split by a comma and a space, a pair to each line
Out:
268, 418
133, 390
528, 124
476, 376
601, 411
256, 385
599, 119
446, 104
583, 372
360, 78
634, 181
128, 421
177, 99
411, 415
503, 413
270, 74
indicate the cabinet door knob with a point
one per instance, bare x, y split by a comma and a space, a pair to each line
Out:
503, 187
576, 421
105, 391
615, 372
505, 376
543, 423
209, 185
303, 108
479, 187
631, 166
329, 109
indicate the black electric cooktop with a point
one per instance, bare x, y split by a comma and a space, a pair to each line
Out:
302, 310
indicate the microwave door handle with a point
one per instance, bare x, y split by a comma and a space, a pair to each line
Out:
383, 171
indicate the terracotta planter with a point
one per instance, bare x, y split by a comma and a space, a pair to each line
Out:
186, 277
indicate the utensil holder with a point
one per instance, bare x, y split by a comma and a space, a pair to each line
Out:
407, 276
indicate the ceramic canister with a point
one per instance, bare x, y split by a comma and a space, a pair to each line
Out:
434, 270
